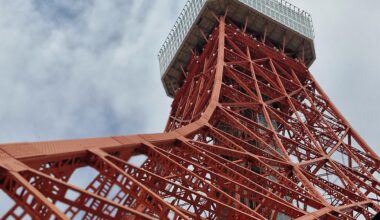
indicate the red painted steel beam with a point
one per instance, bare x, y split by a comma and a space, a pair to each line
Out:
251, 135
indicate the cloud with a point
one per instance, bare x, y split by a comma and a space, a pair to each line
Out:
347, 64
72, 69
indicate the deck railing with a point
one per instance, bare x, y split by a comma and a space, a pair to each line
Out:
279, 10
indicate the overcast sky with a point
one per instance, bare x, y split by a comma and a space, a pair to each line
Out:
76, 69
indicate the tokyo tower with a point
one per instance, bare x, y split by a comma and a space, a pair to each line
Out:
251, 135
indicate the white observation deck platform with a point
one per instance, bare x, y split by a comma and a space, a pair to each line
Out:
278, 17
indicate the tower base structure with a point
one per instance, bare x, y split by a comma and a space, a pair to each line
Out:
251, 135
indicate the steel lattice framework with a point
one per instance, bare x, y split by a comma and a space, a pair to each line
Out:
251, 135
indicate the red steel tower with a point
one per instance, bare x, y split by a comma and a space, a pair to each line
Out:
251, 135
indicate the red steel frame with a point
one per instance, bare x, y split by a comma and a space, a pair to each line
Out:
251, 135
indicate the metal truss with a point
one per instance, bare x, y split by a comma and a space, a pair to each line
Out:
251, 135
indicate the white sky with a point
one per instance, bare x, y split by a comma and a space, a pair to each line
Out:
75, 69
348, 62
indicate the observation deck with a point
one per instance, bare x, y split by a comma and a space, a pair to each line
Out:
280, 20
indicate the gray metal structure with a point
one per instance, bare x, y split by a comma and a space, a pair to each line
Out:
279, 17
